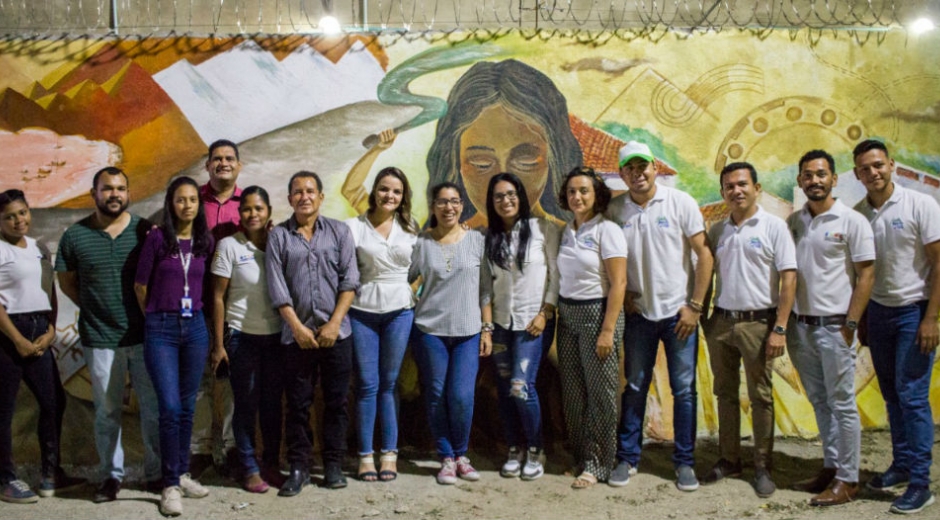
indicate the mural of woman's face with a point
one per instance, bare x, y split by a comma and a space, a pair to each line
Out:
502, 141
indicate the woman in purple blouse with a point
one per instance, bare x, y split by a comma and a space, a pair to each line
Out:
176, 341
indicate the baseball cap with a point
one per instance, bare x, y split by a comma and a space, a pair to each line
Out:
634, 149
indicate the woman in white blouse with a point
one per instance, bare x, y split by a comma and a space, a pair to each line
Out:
382, 315
592, 262
27, 324
520, 283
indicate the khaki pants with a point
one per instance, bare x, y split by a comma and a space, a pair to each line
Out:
729, 343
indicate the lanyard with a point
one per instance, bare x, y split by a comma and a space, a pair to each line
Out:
185, 260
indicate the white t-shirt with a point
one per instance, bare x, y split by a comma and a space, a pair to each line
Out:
906, 222
518, 295
25, 277
659, 257
248, 306
581, 256
383, 266
827, 248
749, 259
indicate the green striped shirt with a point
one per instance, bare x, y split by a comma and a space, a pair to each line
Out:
108, 316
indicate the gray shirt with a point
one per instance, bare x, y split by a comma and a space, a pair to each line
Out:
449, 305
309, 276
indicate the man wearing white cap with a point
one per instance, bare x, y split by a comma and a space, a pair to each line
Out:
663, 227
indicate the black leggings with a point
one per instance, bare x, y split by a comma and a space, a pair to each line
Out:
42, 378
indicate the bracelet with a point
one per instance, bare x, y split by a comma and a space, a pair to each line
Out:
487, 327
695, 306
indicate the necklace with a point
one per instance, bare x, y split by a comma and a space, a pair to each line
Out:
448, 252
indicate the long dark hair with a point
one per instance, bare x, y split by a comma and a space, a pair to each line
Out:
403, 212
522, 90
202, 240
498, 237
434, 191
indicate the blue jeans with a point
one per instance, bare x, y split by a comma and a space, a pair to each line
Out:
109, 368
448, 368
517, 355
252, 361
175, 351
379, 343
641, 339
904, 377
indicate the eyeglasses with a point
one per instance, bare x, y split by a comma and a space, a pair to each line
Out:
443, 203
509, 195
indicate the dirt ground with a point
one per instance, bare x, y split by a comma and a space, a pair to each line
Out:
651, 494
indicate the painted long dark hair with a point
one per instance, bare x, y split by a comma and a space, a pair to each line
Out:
521, 89
498, 237
403, 213
202, 239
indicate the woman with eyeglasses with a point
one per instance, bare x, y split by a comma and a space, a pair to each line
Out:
27, 323
592, 261
169, 287
382, 315
451, 331
520, 282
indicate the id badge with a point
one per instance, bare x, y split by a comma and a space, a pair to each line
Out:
186, 307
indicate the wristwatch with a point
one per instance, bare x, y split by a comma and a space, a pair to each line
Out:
780, 330
851, 324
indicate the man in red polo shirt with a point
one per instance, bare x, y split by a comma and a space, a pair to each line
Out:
221, 198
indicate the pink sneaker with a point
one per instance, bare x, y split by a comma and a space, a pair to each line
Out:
465, 470
448, 473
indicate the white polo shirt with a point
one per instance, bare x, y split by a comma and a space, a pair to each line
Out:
749, 259
659, 258
517, 296
25, 277
248, 306
906, 222
383, 266
581, 256
827, 248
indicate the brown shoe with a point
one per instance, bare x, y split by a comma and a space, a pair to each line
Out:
840, 492
817, 484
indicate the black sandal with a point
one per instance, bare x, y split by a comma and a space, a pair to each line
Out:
387, 475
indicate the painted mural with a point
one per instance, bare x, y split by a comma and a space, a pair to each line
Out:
347, 107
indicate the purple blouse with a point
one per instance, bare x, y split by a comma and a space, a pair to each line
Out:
163, 274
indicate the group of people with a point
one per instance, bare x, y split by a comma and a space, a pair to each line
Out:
280, 308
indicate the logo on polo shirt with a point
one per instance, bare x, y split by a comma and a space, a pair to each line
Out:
662, 222
832, 236
627, 225
246, 258
754, 242
897, 224
589, 242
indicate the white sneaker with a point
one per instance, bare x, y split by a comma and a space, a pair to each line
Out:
171, 501
192, 488
513, 465
465, 470
533, 464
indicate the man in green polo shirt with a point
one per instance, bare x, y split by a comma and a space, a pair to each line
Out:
95, 263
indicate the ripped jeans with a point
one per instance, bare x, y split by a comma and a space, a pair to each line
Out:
517, 355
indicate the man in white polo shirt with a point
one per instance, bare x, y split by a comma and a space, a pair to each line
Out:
903, 331
755, 266
663, 227
835, 257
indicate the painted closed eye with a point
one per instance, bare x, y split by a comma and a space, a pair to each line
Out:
482, 163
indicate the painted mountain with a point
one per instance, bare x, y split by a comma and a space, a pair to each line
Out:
247, 91
150, 107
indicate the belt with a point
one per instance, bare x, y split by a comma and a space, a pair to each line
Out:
758, 315
821, 321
